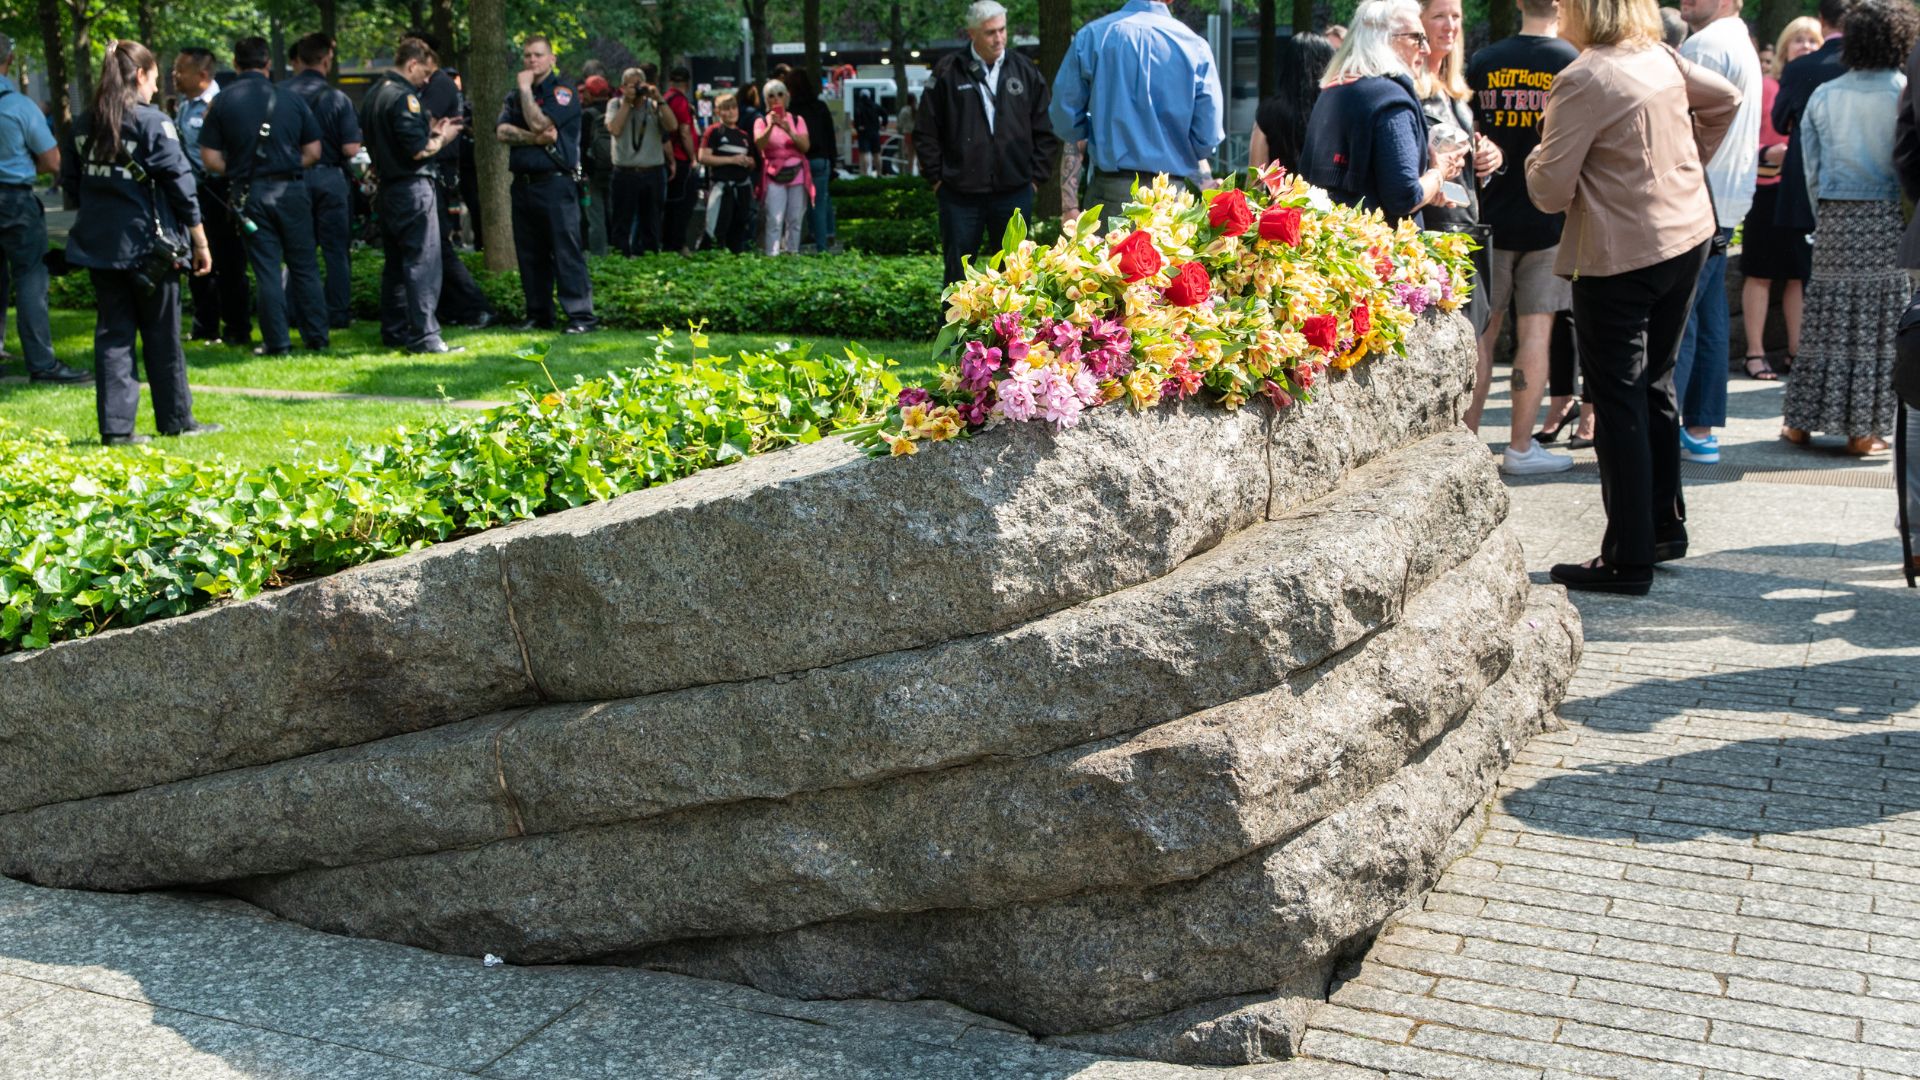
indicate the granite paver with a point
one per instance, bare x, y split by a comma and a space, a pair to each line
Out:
1709, 871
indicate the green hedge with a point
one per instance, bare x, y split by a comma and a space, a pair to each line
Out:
853, 295
112, 538
878, 185
892, 205
919, 236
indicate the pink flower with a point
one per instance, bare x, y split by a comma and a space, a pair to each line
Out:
1059, 399
1280, 398
1017, 393
1006, 326
977, 366
914, 395
1016, 350
976, 412
1086, 387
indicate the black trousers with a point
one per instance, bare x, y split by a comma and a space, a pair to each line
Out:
967, 220
461, 298
639, 209
410, 276
1628, 328
284, 216
546, 229
678, 215
222, 307
1563, 360
333, 233
123, 312
736, 213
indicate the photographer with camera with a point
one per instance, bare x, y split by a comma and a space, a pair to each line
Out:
125, 170
640, 120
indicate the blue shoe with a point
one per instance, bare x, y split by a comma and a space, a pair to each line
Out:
1703, 451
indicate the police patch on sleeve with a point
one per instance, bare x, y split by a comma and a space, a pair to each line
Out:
562, 96
413, 104
171, 131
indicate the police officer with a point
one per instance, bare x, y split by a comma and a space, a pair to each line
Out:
462, 303
541, 121
402, 141
262, 139
327, 186
220, 299
27, 149
125, 169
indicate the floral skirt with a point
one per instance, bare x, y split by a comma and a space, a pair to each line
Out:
1842, 383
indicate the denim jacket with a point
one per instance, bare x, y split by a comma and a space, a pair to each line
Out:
1846, 135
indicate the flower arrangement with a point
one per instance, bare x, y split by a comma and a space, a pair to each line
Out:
1249, 291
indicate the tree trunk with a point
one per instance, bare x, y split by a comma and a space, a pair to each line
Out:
144, 18
1056, 34
1500, 17
756, 13
1303, 15
330, 18
488, 81
1269, 51
82, 18
897, 49
416, 13
277, 44
441, 17
810, 30
59, 89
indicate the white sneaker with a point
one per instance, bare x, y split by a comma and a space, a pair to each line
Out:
1536, 459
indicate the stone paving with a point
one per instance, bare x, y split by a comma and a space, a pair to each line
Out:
1712, 870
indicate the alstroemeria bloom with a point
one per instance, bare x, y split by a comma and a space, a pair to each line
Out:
1280, 398
1321, 331
1189, 286
1139, 259
1230, 213
914, 395
1281, 223
1006, 326
977, 365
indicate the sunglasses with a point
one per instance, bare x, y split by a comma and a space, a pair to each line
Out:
1413, 35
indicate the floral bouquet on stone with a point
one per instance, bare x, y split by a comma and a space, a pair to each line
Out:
1243, 292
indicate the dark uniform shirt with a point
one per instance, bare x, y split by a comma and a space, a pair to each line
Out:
441, 98
397, 128
332, 111
114, 226
233, 126
556, 98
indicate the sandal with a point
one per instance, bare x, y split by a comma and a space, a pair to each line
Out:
1765, 373
1866, 445
1785, 367
1796, 436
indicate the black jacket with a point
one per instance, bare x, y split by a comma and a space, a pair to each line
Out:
953, 141
1798, 81
114, 227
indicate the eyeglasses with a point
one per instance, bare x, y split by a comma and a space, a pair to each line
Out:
1417, 36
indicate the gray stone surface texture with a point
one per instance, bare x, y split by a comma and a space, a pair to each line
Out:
617, 599
1275, 599
1169, 803
1123, 736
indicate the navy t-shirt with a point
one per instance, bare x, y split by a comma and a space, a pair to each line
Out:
558, 99
331, 110
233, 127
1510, 80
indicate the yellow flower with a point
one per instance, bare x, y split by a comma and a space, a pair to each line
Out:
1143, 388
901, 445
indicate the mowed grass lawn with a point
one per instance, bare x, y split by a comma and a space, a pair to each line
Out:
260, 430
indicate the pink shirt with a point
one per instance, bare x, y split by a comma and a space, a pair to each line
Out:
1769, 89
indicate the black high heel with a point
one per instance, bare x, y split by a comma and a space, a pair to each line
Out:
1552, 434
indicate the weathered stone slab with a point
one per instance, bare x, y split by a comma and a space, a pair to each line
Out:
1237, 620
370, 652
1170, 803
1238, 1030
846, 556
1097, 960
852, 558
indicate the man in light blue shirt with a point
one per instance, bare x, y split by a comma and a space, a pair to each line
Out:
1140, 87
27, 149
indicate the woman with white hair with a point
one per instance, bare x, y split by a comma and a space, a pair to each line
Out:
785, 183
1367, 137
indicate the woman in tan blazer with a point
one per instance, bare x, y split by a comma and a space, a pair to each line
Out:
1627, 127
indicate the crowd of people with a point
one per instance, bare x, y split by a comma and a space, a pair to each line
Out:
1605, 162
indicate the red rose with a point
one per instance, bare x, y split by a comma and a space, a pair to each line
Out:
1138, 257
1230, 213
1189, 286
1281, 223
1323, 331
1362, 321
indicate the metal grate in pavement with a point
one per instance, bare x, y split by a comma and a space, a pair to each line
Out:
1847, 478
